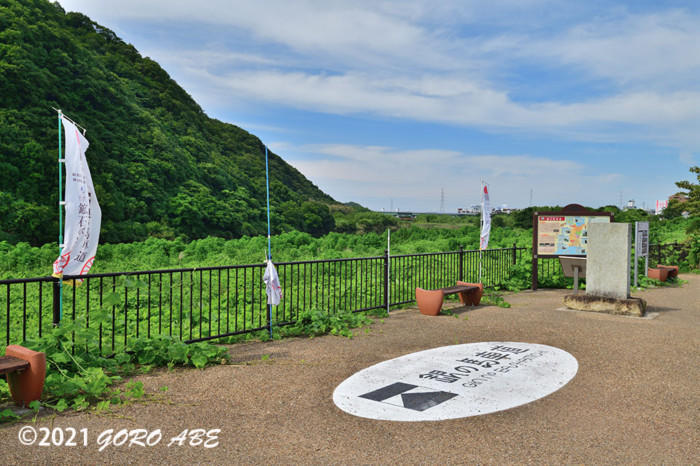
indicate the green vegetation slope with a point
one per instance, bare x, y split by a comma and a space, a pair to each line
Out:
161, 167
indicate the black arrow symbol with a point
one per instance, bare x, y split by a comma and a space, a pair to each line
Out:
423, 401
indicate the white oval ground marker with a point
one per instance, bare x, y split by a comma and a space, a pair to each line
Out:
456, 381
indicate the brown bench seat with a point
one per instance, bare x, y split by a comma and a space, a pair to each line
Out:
11, 364
430, 301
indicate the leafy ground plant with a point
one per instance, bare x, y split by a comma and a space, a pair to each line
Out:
448, 312
78, 376
493, 297
318, 322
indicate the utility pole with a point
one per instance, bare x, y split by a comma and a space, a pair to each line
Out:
442, 200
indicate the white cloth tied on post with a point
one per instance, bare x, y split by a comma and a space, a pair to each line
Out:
272, 284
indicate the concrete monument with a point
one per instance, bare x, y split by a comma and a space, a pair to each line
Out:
608, 261
608, 272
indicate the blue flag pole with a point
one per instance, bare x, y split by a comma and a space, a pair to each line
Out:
269, 244
60, 214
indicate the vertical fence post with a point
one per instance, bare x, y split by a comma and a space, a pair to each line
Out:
676, 255
386, 280
56, 301
534, 252
461, 264
515, 250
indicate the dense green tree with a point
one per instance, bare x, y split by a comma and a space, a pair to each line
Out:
692, 192
498, 221
691, 206
161, 167
615, 210
523, 218
631, 215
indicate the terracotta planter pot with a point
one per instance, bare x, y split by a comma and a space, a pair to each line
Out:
429, 301
658, 274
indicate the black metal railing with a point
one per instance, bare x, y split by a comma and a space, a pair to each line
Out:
549, 273
197, 304
669, 253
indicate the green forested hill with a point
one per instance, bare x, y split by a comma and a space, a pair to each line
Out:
160, 166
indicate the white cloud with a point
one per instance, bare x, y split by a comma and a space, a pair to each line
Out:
430, 62
627, 77
662, 117
414, 178
356, 31
660, 50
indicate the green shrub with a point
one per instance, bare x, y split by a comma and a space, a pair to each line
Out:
316, 322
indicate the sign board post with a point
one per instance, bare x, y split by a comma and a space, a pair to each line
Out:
641, 247
573, 267
562, 233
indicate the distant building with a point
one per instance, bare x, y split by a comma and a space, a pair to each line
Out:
660, 206
473, 210
476, 210
680, 197
405, 215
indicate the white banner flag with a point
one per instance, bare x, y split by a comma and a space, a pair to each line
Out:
83, 214
485, 218
272, 284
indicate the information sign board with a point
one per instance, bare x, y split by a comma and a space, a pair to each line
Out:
641, 247
641, 242
564, 234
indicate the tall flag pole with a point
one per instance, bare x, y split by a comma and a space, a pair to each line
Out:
60, 212
485, 222
83, 214
272, 282
481, 224
388, 271
485, 218
267, 185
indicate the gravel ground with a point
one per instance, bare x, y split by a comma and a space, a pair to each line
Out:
635, 399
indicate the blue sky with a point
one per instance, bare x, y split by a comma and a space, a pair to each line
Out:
390, 103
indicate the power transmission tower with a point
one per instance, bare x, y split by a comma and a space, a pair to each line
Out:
442, 200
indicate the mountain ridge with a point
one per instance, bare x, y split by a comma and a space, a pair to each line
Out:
160, 165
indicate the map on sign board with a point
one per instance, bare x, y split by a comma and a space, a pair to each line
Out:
564, 234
